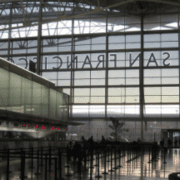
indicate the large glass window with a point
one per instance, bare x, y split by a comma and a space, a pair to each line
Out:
96, 59
101, 58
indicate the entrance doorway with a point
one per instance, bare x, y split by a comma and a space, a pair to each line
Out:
173, 135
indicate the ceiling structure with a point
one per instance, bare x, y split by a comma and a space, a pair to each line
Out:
26, 13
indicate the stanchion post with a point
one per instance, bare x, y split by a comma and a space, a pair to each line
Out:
85, 158
7, 170
37, 173
79, 166
45, 166
32, 155
149, 155
50, 159
41, 156
115, 167
91, 166
96, 156
59, 154
105, 162
55, 168
91, 159
108, 158
98, 176
111, 170
164, 155
119, 148
22, 165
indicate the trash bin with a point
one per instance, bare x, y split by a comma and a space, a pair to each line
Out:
174, 176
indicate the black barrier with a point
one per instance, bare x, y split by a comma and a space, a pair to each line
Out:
114, 153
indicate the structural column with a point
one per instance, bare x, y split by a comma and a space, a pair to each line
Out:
10, 25
179, 53
141, 83
106, 75
39, 40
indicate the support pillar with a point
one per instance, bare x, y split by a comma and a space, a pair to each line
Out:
141, 81
39, 40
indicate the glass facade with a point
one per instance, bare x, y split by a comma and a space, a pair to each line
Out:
23, 95
113, 62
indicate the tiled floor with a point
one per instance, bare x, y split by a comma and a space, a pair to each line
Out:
135, 170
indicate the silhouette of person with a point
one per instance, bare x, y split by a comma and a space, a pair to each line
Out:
169, 142
69, 150
162, 142
83, 139
77, 151
175, 142
103, 139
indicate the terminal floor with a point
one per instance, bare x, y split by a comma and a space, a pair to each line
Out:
133, 170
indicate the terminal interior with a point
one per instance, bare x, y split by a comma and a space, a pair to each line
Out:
89, 89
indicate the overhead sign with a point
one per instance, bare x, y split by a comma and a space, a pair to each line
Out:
115, 60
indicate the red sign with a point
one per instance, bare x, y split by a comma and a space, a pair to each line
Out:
58, 128
37, 126
42, 127
53, 128
23, 125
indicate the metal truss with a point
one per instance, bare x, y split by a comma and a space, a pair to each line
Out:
25, 14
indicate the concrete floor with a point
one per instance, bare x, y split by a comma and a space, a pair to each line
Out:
135, 170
